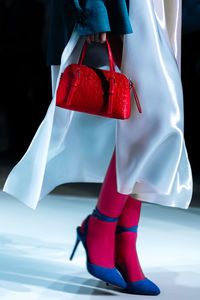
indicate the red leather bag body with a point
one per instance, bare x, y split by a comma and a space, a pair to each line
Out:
95, 91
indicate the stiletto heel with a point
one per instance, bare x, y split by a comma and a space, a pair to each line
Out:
144, 286
75, 246
109, 275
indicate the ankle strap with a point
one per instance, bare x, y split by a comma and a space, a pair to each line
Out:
97, 214
123, 229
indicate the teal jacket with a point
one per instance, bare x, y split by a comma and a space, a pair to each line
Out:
191, 16
90, 15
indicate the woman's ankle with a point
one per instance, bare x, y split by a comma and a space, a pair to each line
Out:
101, 242
126, 256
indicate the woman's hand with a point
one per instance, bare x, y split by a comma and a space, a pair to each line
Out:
96, 37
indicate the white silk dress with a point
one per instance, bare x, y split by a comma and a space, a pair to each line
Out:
151, 158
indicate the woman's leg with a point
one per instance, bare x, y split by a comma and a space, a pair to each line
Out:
101, 234
125, 250
110, 202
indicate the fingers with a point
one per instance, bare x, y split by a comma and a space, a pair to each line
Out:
103, 37
90, 38
96, 37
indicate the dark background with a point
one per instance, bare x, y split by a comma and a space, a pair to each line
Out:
26, 81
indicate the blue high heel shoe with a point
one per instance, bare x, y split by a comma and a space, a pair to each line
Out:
109, 275
143, 287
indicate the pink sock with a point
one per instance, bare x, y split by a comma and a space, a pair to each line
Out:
110, 202
125, 247
101, 234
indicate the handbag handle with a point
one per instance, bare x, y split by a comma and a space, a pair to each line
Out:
111, 60
111, 79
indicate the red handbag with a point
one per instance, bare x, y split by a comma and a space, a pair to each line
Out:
96, 91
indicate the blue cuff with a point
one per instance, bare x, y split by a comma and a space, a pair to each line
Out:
93, 18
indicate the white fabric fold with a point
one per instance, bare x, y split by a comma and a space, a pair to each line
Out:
151, 158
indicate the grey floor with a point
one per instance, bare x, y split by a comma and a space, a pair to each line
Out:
35, 246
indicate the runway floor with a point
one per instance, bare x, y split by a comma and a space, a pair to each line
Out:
35, 246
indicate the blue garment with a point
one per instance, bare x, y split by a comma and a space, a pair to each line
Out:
90, 15
191, 16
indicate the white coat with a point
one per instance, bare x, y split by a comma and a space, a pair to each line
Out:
151, 158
